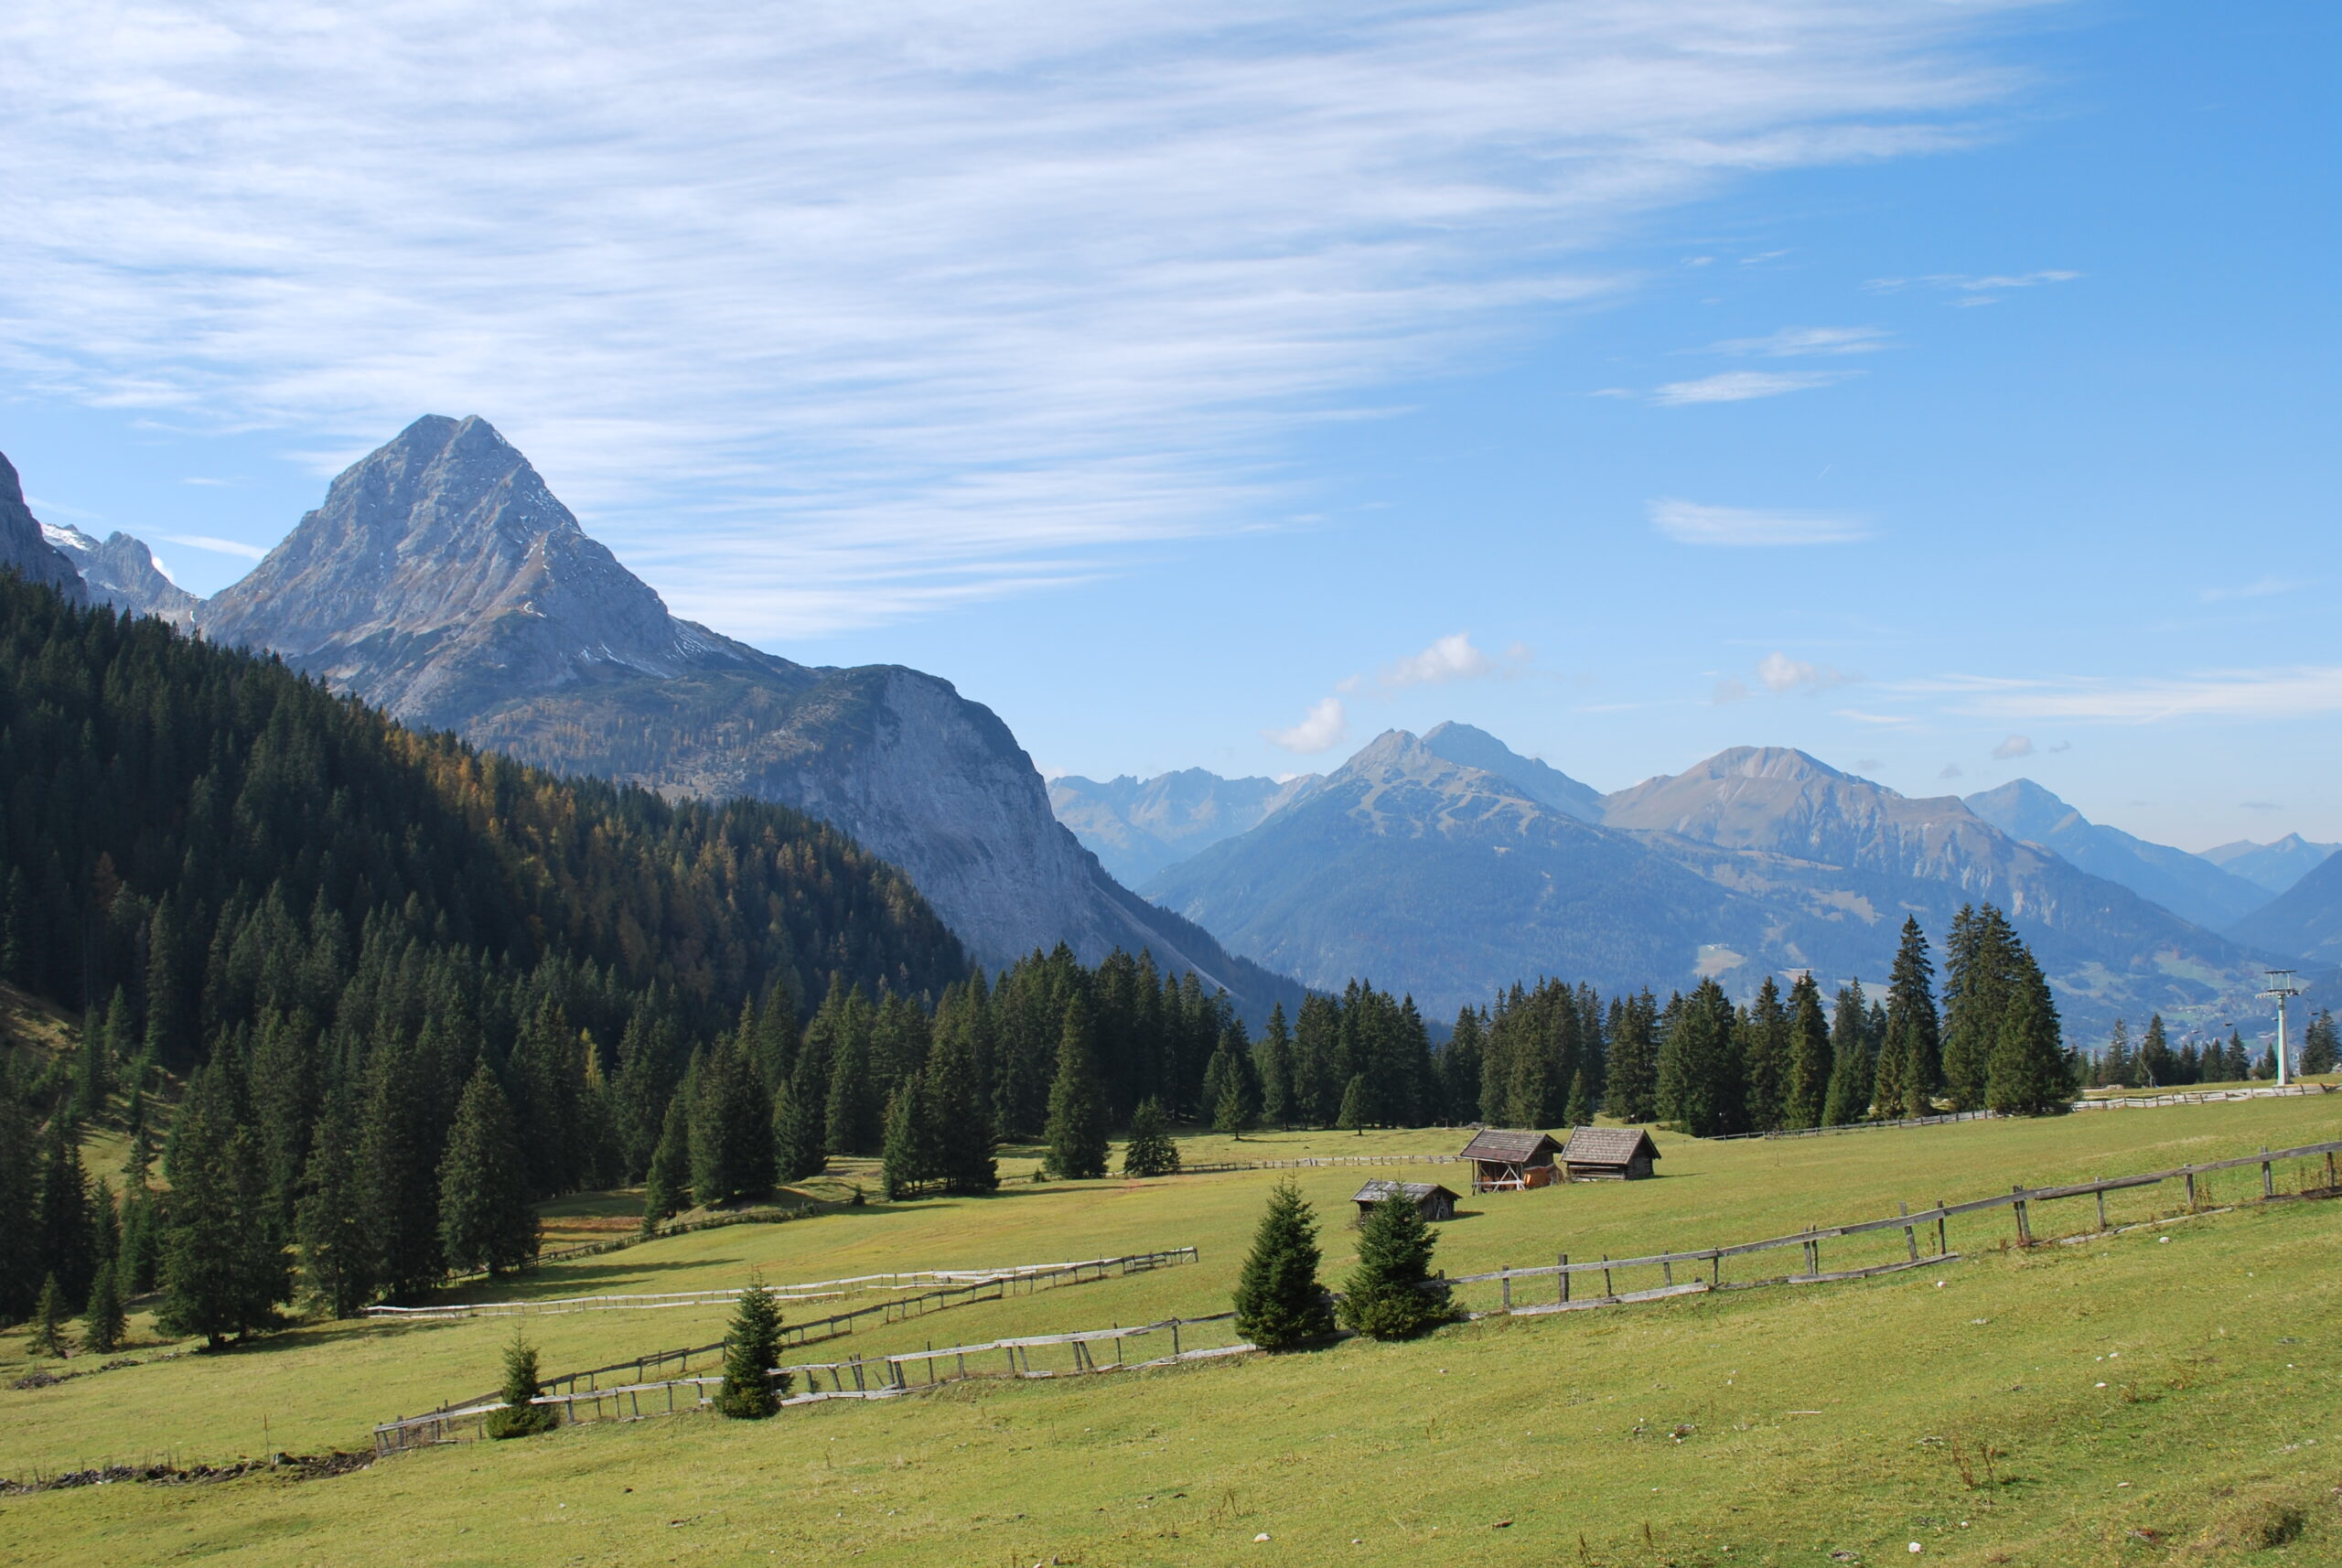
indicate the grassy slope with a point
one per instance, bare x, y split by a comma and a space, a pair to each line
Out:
1533, 1421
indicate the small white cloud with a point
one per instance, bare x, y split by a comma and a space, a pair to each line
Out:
1974, 284
2262, 589
1794, 342
1322, 730
1884, 721
217, 547
1740, 386
2017, 745
1689, 523
208, 484
1950, 770
1451, 658
1729, 690
1781, 673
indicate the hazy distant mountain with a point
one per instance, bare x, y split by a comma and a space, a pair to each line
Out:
443, 580
1136, 827
121, 571
2305, 922
2276, 866
23, 548
1451, 880
2186, 885
1444, 880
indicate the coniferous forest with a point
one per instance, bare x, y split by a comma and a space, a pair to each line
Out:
406, 990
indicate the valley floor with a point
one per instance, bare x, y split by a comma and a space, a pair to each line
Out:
2165, 1394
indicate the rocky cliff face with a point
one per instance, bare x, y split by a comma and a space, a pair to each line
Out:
23, 548
120, 571
443, 580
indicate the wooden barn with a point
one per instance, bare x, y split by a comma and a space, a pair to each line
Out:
1432, 1202
1609, 1154
1512, 1162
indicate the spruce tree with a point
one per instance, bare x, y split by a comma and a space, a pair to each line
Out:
1912, 1031
1279, 1302
2320, 1044
856, 1113
520, 1417
2114, 1064
49, 1334
1765, 1059
909, 1160
2028, 1074
731, 1117
801, 1120
1807, 1097
398, 1169
62, 1223
666, 1189
751, 1348
1354, 1114
1152, 1151
1580, 1112
103, 1322
223, 1266
1851, 1068
485, 1221
1391, 1294
336, 1261
20, 1266
1273, 1068
1699, 1078
1228, 1089
959, 1115
1632, 1093
1076, 1133
2157, 1065
93, 1080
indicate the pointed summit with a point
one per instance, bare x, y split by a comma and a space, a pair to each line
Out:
1473, 747
441, 572
23, 547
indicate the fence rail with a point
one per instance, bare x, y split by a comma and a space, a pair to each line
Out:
2105, 1102
987, 1287
1218, 1166
879, 1376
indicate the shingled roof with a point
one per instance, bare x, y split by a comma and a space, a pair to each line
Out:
1380, 1188
1606, 1145
1499, 1146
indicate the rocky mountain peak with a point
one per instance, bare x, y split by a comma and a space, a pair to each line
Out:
122, 571
1473, 747
441, 570
24, 549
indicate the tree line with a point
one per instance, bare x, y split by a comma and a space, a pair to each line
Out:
2153, 1063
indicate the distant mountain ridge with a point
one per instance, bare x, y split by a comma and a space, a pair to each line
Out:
444, 580
1136, 827
122, 571
2273, 866
2188, 884
1451, 879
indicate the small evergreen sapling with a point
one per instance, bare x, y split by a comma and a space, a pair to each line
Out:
50, 1336
749, 1351
1152, 1151
520, 1418
1391, 1293
1279, 1302
104, 1322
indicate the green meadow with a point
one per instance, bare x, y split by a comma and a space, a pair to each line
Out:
2167, 1394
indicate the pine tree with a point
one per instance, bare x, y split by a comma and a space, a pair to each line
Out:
93, 1080
1632, 1094
1808, 1095
224, 1268
1979, 969
667, 1188
1273, 1068
1580, 1112
1076, 1133
2114, 1065
1228, 1089
1765, 1057
337, 1262
731, 1119
801, 1120
141, 1242
751, 1348
65, 1238
103, 1322
1910, 1064
910, 1161
520, 1417
1391, 1293
485, 1221
398, 1170
1354, 1114
2028, 1075
2320, 1044
960, 1115
1152, 1151
856, 1113
1851, 1068
2157, 1066
49, 1334
1699, 1080
1279, 1302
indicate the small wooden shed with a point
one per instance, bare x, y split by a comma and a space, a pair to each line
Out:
1432, 1202
1512, 1162
1609, 1154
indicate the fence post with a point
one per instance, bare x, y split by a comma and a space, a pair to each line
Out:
2268, 1183
1942, 1244
2102, 1208
1507, 1282
1606, 1276
1910, 1234
2329, 1170
2191, 1188
1174, 1338
2024, 1225
1564, 1261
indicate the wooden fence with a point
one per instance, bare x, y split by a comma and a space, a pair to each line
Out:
898, 1309
2107, 1102
2020, 1200
1084, 1352
1218, 1165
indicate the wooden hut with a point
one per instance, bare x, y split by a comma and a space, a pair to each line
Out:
1609, 1154
1512, 1162
1430, 1201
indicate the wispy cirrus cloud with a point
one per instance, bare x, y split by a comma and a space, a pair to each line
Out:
2237, 693
217, 545
1690, 522
1796, 342
2265, 587
829, 316
1971, 288
1740, 386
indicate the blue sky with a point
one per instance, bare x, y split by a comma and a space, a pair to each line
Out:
1947, 389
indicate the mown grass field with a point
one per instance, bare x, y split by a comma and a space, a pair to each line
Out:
1774, 1425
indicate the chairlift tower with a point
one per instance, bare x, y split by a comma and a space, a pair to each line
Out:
2281, 986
